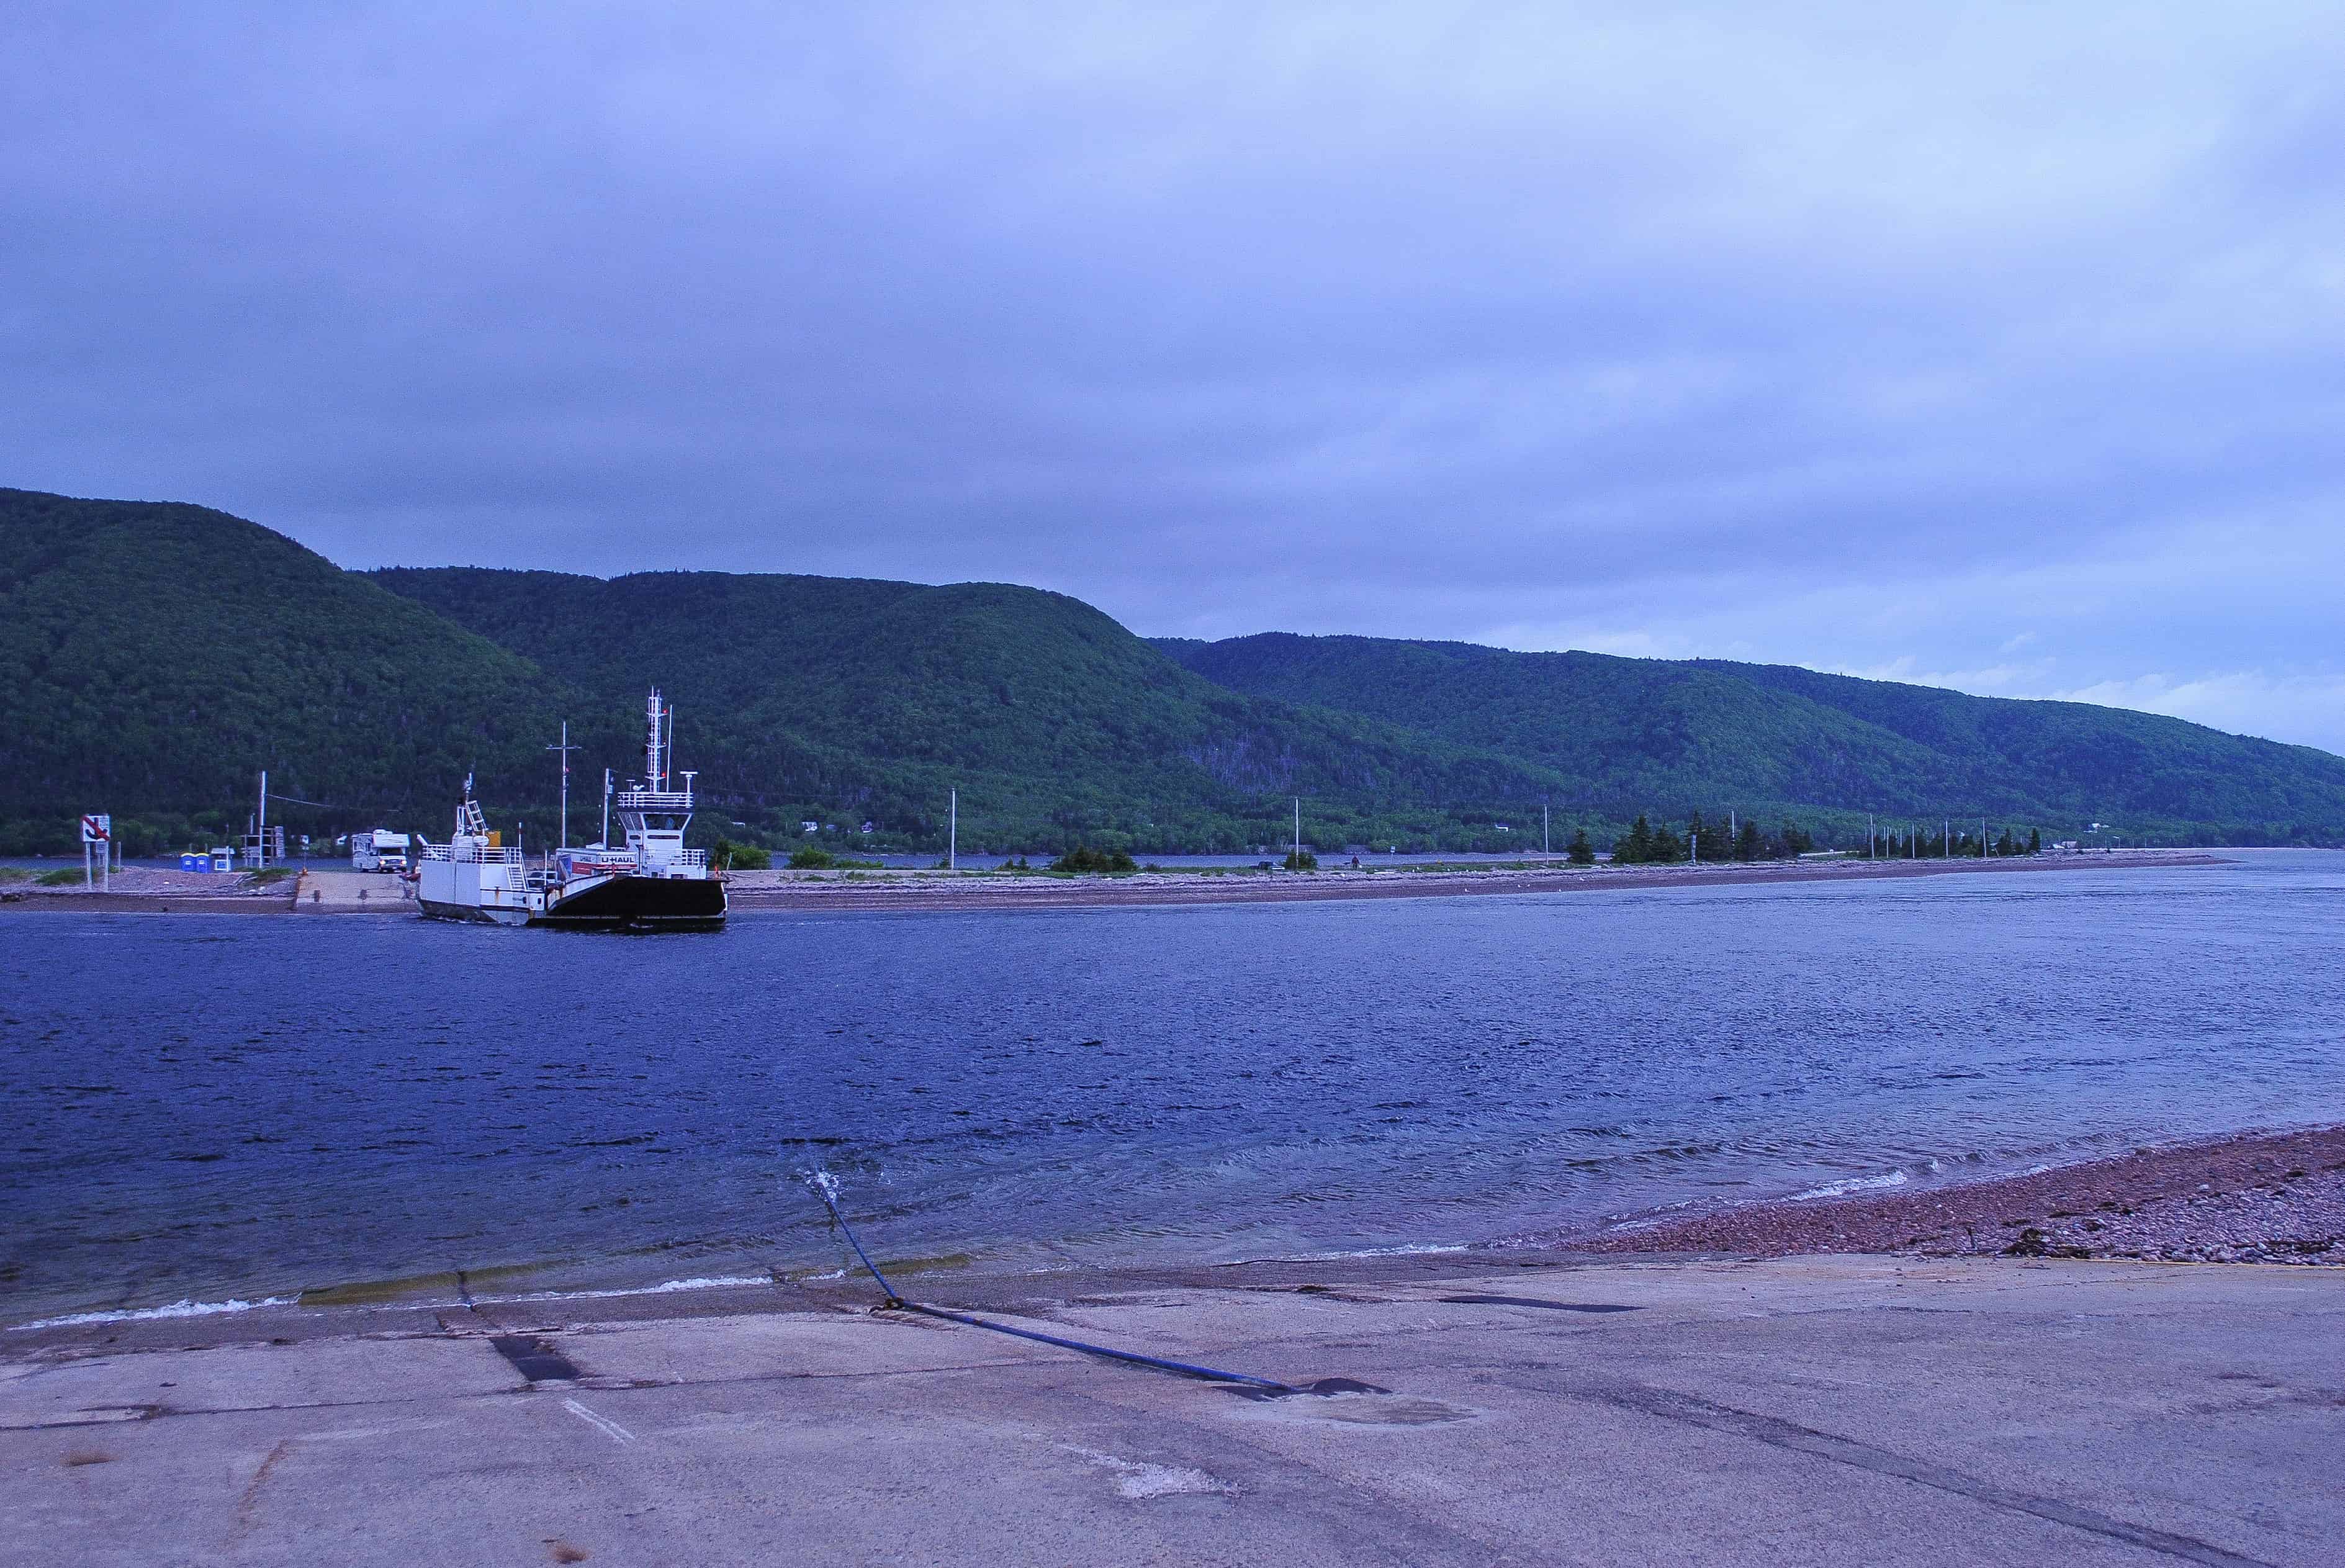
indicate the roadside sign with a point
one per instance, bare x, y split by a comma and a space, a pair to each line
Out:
97, 833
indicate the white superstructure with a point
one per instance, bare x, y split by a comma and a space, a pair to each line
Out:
653, 815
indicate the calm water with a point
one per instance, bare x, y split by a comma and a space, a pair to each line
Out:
205, 1108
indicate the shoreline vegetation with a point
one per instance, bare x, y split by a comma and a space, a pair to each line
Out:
331, 889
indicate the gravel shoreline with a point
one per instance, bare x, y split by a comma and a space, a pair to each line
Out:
2258, 1198
150, 890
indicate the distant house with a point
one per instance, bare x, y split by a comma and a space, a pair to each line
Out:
809, 827
866, 827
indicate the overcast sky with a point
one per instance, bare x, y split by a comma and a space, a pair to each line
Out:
1991, 346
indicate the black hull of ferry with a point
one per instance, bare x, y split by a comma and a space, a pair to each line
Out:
641, 903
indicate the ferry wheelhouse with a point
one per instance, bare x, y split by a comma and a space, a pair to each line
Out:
652, 883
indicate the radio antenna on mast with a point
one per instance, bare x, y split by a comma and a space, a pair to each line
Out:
565, 748
657, 728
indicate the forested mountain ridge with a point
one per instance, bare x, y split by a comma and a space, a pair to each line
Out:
2103, 761
155, 657
1772, 737
816, 694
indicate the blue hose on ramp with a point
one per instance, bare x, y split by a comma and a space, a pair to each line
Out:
1271, 1388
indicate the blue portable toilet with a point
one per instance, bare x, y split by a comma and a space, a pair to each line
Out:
193, 860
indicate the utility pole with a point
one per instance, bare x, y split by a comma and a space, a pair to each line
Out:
1950, 837
262, 839
1868, 838
1546, 844
565, 748
952, 832
1298, 832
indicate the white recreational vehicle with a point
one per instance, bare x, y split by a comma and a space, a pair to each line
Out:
379, 850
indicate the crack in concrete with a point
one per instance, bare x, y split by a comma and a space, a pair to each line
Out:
247, 1505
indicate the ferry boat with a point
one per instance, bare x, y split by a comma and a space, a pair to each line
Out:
651, 884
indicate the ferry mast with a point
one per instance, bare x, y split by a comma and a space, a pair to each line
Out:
653, 815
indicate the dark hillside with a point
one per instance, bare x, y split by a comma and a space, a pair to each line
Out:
153, 656
2107, 761
1636, 733
820, 695
1629, 734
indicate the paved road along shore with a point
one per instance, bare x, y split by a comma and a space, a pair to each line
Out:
1814, 1411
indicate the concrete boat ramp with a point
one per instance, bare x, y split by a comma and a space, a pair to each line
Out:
1522, 1409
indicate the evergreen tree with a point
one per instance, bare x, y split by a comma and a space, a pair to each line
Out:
1668, 848
1637, 847
1580, 851
2034, 842
1750, 844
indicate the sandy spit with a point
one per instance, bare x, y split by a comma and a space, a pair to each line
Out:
926, 890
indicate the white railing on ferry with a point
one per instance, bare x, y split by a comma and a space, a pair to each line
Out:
652, 800
468, 854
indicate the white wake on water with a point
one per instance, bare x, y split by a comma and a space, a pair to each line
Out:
1854, 1184
148, 1314
698, 1282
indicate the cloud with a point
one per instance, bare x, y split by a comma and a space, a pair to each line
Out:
2245, 702
1824, 334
